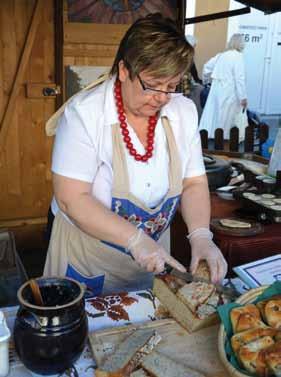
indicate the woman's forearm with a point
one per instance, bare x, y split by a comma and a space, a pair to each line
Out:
89, 214
195, 203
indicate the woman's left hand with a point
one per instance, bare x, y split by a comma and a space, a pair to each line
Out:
204, 248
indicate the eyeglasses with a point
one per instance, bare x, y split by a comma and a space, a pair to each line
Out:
148, 90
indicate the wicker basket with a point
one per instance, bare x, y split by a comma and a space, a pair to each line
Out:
244, 299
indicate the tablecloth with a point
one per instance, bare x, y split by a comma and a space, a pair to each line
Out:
103, 312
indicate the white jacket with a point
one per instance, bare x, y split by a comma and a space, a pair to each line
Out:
226, 72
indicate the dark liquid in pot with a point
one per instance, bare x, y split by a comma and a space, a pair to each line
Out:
53, 295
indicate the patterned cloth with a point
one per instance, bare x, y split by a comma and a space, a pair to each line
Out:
105, 312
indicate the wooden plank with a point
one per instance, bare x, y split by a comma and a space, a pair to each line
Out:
22, 222
198, 350
76, 32
89, 50
12, 151
1, 65
36, 18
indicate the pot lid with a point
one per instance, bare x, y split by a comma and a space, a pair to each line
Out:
267, 6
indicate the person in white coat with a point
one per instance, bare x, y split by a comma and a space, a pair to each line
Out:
228, 92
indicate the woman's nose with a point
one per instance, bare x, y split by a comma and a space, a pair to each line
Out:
163, 97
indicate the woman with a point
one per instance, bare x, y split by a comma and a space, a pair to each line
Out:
126, 151
228, 93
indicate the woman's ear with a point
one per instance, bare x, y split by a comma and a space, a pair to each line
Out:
123, 71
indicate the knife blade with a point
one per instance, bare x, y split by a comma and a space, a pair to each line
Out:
188, 277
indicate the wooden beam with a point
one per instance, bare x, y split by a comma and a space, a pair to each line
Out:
76, 32
35, 21
22, 222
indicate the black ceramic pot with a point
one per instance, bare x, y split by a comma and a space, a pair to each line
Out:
50, 338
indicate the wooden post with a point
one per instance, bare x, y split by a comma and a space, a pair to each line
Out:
219, 142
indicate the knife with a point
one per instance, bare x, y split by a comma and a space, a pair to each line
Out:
230, 292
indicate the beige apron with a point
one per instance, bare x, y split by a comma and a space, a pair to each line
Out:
103, 267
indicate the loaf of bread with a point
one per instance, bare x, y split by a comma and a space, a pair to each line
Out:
159, 365
203, 271
178, 308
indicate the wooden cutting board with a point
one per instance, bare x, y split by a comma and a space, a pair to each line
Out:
197, 350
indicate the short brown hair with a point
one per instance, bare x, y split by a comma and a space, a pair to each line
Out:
154, 43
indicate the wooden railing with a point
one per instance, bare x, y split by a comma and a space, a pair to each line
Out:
255, 135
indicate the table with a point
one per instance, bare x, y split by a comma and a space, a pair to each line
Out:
103, 312
236, 250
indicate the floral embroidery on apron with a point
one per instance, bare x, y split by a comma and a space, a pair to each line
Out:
153, 221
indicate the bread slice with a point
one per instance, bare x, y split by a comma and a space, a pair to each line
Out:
128, 354
195, 294
240, 339
160, 365
139, 373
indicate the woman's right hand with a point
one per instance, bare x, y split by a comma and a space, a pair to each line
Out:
150, 255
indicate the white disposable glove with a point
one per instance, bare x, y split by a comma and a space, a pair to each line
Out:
202, 247
149, 254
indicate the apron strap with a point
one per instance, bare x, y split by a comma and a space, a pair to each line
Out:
52, 123
175, 171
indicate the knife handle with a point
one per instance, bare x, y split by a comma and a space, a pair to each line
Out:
167, 268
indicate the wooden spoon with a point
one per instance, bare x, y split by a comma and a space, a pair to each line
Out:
36, 292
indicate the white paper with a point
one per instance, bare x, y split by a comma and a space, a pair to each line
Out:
262, 272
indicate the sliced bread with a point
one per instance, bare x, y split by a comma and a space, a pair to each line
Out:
126, 358
160, 365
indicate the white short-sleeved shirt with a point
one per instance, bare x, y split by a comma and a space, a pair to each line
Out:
83, 146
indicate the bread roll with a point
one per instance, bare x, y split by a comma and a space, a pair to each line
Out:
273, 358
240, 339
272, 312
251, 318
261, 304
252, 356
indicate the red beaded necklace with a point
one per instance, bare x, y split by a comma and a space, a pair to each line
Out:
124, 127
